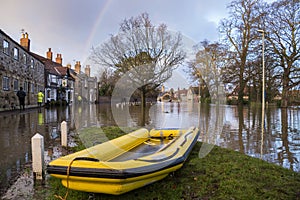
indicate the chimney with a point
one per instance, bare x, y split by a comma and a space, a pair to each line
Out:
77, 67
49, 54
25, 42
58, 59
87, 70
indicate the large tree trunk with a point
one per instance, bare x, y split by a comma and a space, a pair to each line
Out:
285, 89
241, 128
143, 108
284, 98
241, 93
242, 78
143, 98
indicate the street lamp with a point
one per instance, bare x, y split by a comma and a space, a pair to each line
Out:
263, 67
263, 90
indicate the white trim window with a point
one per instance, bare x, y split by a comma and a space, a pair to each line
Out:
16, 85
16, 53
24, 59
32, 87
25, 86
6, 47
53, 78
32, 63
5, 83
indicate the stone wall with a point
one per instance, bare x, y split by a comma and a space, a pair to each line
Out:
18, 68
8, 100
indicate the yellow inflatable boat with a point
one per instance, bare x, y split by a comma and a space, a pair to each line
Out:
125, 163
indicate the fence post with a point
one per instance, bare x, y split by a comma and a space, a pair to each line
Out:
37, 147
64, 134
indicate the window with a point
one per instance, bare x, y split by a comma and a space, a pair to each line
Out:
5, 83
16, 85
53, 79
5, 47
25, 87
32, 87
24, 59
32, 63
48, 93
16, 53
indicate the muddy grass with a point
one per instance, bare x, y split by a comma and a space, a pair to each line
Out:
222, 174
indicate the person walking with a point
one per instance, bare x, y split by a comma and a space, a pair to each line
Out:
21, 95
40, 98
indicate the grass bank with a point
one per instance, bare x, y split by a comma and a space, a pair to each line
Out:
222, 174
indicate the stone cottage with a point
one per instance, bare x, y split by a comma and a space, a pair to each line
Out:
18, 68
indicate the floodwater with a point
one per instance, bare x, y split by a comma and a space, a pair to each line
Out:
226, 126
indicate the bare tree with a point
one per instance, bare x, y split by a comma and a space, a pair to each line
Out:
146, 54
240, 33
207, 66
283, 26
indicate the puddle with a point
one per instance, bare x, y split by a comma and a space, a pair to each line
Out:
24, 187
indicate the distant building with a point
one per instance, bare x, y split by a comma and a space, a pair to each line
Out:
18, 68
62, 83
59, 85
193, 94
164, 95
234, 94
86, 87
181, 94
294, 97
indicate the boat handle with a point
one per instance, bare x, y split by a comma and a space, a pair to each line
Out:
87, 159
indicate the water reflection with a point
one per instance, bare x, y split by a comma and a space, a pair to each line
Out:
17, 129
281, 140
16, 132
233, 127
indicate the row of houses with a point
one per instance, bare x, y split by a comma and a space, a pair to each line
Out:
192, 94
19, 67
182, 95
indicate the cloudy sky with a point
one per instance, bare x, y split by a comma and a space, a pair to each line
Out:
72, 27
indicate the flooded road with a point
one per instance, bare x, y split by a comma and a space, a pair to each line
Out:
226, 126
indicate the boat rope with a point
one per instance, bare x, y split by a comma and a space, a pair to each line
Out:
68, 175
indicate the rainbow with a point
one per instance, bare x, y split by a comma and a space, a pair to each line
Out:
102, 10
